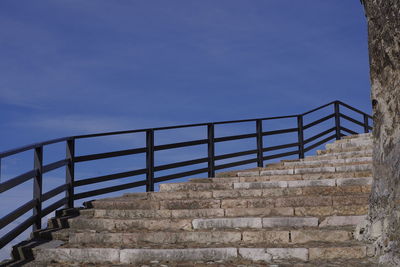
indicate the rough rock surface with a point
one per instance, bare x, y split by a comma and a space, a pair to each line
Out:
384, 51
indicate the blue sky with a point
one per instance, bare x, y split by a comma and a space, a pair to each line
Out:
75, 67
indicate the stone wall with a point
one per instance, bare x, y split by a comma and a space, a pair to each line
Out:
384, 51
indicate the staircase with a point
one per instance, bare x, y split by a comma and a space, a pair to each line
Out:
293, 212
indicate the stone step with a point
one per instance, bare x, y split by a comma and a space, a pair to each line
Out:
252, 177
221, 254
174, 224
342, 155
289, 170
315, 160
357, 136
53, 234
318, 211
255, 177
290, 198
228, 237
351, 143
342, 150
340, 186
210, 191
329, 162
129, 225
305, 183
315, 164
275, 222
360, 141
309, 171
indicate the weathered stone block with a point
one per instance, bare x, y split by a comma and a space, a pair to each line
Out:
342, 220
306, 201
227, 223
274, 254
304, 236
190, 204
259, 185
290, 222
269, 237
337, 252
312, 183
197, 213
259, 212
132, 256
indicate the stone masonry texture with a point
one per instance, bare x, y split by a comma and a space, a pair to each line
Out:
383, 18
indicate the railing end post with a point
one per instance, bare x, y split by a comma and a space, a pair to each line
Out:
260, 146
211, 150
337, 121
150, 160
38, 187
300, 131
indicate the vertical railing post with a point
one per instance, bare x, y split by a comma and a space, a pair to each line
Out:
300, 134
211, 150
150, 160
366, 125
337, 121
37, 187
70, 173
260, 152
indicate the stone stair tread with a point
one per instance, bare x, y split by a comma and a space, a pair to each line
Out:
322, 162
279, 236
338, 150
189, 187
357, 197
165, 224
232, 212
256, 252
148, 245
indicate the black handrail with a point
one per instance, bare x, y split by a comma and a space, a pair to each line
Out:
302, 146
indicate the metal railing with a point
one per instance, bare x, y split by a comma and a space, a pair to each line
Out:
260, 152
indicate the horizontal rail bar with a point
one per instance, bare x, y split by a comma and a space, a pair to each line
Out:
55, 165
10, 235
110, 154
263, 119
272, 148
354, 109
180, 126
180, 164
109, 177
234, 137
54, 206
17, 213
319, 121
109, 189
54, 192
320, 142
321, 107
181, 144
180, 175
17, 181
32, 146
280, 155
319, 135
289, 130
236, 154
234, 164
348, 130
351, 119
